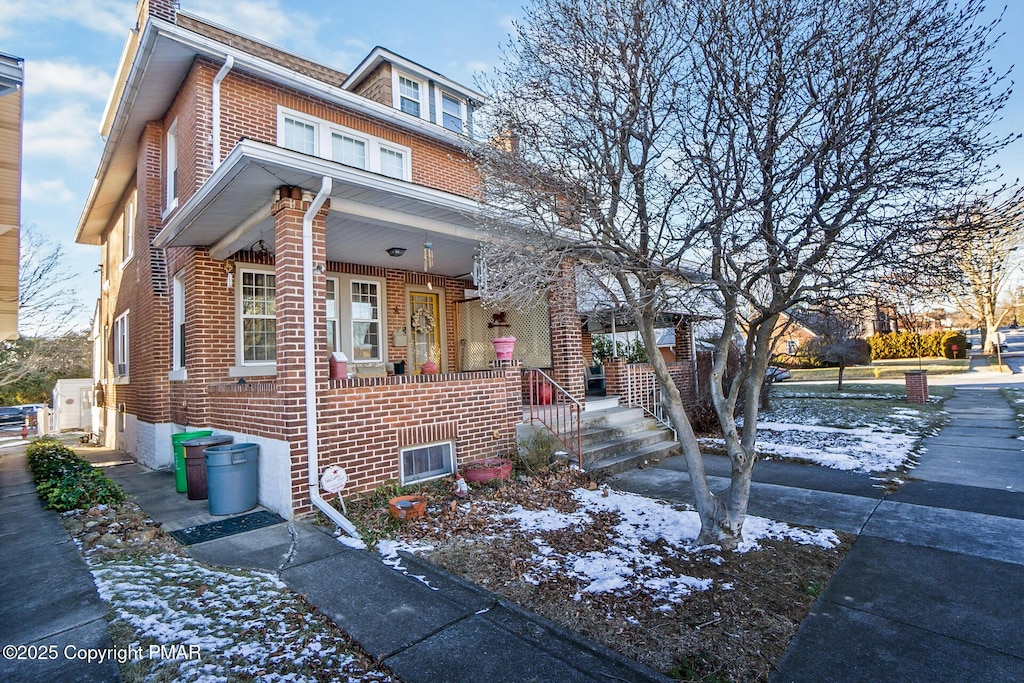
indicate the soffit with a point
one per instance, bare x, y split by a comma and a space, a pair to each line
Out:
368, 213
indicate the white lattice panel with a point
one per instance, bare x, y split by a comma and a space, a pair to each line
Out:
532, 330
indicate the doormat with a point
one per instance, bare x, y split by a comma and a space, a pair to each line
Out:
226, 527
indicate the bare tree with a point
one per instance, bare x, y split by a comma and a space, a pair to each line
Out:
989, 260
46, 305
760, 152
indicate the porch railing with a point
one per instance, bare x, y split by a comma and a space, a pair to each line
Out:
643, 391
556, 409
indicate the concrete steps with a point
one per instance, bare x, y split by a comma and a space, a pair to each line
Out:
619, 438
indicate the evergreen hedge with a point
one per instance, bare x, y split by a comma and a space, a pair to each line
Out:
66, 481
912, 344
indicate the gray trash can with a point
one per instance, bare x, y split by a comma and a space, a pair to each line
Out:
195, 463
232, 477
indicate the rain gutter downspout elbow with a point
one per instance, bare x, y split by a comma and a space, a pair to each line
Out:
228, 63
312, 448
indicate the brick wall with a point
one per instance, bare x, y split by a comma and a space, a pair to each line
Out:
249, 110
364, 422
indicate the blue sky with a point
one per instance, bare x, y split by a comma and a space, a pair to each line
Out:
71, 48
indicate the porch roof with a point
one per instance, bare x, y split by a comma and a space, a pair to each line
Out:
369, 213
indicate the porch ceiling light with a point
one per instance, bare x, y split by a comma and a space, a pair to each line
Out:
396, 251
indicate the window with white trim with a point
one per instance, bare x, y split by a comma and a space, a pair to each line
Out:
128, 229
355, 318
429, 461
121, 345
453, 112
178, 323
299, 135
257, 317
348, 150
319, 137
366, 323
171, 149
392, 163
333, 338
409, 96
791, 347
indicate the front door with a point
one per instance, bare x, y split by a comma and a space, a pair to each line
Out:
425, 330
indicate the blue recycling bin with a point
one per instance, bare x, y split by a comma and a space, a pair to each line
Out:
232, 477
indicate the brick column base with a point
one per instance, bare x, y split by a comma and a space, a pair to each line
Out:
615, 376
917, 386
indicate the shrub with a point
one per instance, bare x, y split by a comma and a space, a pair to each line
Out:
905, 344
65, 481
632, 351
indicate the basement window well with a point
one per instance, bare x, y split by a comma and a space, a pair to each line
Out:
430, 461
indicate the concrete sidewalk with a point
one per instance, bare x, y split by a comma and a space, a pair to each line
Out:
48, 601
933, 588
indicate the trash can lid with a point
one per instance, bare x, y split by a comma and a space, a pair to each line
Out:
215, 440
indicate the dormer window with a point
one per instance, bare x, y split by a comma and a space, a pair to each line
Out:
409, 96
453, 113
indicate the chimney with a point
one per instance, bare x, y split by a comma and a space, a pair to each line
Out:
161, 9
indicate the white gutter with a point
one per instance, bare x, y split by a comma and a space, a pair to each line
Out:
228, 63
310, 361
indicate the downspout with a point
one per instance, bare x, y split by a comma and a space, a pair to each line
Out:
228, 63
312, 448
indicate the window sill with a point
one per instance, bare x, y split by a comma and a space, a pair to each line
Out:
268, 370
123, 379
179, 375
170, 209
124, 263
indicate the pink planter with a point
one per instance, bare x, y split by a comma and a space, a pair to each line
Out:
503, 347
487, 469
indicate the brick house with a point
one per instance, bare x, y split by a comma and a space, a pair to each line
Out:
257, 212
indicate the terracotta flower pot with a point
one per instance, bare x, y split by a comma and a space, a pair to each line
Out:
429, 368
407, 507
487, 469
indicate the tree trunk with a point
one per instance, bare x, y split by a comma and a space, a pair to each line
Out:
842, 369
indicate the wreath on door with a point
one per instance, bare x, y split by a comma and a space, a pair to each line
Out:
422, 321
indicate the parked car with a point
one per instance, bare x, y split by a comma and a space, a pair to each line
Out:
11, 418
777, 374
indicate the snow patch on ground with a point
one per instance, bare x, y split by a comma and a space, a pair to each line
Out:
245, 624
628, 564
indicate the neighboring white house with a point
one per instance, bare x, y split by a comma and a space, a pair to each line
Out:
72, 405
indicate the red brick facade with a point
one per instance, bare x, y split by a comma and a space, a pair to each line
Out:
363, 423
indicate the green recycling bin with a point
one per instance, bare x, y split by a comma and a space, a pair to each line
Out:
180, 480
232, 477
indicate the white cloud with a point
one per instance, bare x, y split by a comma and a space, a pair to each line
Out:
265, 20
66, 78
68, 132
52, 191
105, 16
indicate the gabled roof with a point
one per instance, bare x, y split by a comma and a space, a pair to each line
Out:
379, 55
154, 62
